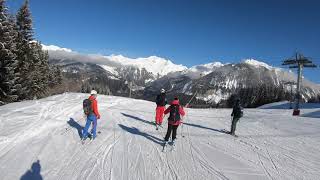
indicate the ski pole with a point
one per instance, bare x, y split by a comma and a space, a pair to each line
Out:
187, 105
182, 127
231, 117
182, 130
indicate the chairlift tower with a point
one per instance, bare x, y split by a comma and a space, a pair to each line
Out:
290, 83
130, 87
299, 62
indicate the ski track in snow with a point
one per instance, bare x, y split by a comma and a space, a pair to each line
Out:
271, 144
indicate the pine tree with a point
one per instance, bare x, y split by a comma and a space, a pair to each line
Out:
55, 75
24, 22
41, 71
8, 63
38, 75
24, 54
33, 61
44, 68
58, 75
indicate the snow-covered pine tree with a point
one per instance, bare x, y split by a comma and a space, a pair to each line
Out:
33, 61
58, 75
52, 78
55, 74
8, 63
24, 22
35, 83
44, 67
15, 34
24, 54
39, 70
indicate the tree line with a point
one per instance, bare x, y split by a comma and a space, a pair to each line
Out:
25, 72
252, 97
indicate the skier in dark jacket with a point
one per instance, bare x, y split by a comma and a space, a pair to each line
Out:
161, 102
174, 120
236, 114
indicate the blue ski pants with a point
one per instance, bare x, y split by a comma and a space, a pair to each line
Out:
91, 119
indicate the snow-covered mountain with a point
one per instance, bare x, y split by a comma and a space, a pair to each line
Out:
257, 64
215, 82
197, 71
225, 80
153, 64
119, 66
40, 139
81, 77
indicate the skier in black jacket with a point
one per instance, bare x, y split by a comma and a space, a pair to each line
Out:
237, 114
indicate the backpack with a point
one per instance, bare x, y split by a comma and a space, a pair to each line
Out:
238, 112
174, 113
87, 106
241, 113
161, 100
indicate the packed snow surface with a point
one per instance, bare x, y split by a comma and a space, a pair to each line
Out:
40, 139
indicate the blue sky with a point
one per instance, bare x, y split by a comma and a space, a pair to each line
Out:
186, 32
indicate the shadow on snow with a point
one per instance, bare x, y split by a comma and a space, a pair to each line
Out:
208, 128
76, 125
188, 124
33, 173
136, 131
138, 119
315, 114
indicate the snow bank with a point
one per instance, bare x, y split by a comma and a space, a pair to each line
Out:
286, 105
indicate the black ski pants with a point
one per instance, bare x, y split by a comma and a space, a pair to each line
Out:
234, 124
173, 129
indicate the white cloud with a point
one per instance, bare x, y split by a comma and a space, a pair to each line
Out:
54, 48
56, 52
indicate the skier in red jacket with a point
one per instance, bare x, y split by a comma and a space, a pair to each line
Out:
174, 120
92, 117
161, 102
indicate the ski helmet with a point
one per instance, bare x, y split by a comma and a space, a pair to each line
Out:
94, 92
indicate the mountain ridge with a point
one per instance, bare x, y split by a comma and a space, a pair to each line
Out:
213, 82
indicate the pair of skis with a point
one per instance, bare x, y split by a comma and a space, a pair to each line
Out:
83, 141
228, 132
165, 144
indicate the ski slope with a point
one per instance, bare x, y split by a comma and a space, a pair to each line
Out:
271, 144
